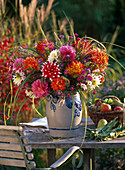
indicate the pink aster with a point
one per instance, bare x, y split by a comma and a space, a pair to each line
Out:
50, 70
18, 64
67, 52
40, 90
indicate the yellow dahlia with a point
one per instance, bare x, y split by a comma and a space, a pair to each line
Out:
75, 68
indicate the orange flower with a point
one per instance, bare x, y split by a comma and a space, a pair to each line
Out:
75, 68
58, 84
100, 58
31, 63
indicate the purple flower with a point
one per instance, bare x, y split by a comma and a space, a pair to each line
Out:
84, 61
76, 34
39, 61
82, 77
94, 92
89, 70
58, 92
61, 36
61, 65
65, 72
67, 50
72, 88
83, 72
78, 79
68, 95
71, 37
89, 77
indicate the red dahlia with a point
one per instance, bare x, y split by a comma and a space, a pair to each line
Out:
50, 70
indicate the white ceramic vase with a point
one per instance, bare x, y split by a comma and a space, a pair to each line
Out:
59, 116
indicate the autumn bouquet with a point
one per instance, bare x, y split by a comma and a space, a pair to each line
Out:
60, 68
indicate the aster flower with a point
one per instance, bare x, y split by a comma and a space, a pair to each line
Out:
89, 77
40, 90
82, 77
50, 70
67, 52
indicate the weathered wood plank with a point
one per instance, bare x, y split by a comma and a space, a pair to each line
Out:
13, 139
7, 132
14, 147
17, 128
12, 162
18, 155
11, 154
11, 147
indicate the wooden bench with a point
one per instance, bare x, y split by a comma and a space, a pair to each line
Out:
15, 150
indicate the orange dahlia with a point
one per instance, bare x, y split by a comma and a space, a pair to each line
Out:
31, 63
58, 84
75, 68
100, 58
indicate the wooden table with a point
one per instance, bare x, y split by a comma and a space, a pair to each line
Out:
40, 140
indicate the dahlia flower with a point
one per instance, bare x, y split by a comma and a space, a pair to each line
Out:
53, 56
75, 68
40, 90
67, 52
31, 63
58, 84
50, 70
100, 58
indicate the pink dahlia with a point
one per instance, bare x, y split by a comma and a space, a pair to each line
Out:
50, 70
67, 52
18, 64
40, 90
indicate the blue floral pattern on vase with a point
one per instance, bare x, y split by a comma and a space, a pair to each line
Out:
77, 103
53, 101
69, 103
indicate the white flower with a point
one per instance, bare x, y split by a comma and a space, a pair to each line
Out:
96, 71
53, 56
83, 86
89, 83
30, 93
96, 81
17, 79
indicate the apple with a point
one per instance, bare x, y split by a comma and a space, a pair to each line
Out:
105, 107
118, 108
98, 102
